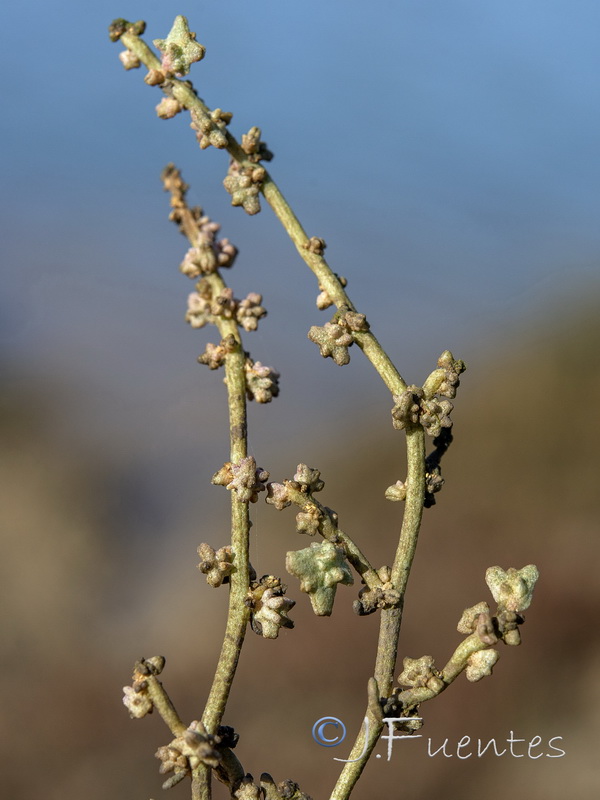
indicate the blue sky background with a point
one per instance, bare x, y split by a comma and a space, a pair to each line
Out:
447, 151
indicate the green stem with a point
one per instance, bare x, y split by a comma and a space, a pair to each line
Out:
391, 619
332, 533
239, 580
201, 787
186, 95
239, 613
162, 703
456, 664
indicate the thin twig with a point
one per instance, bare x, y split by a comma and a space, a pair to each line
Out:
185, 94
331, 532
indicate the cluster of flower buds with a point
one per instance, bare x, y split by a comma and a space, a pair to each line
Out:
244, 478
320, 567
194, 747
214, 355
255, 149
204, 307
335, 337
412, 408
244, 184
306, 481
433, 484
120, 26
268, 790
423, 406
384, 596
269, 607
315, 245
444, 380
217, 566
262, 383
208, 253
136, 697
309, 520
211, 128
406, 719
420, 673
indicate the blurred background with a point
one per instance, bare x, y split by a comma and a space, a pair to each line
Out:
448, 153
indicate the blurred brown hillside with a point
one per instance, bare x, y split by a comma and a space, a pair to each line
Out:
88, 586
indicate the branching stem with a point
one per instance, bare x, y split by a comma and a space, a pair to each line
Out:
186, 95
391, 619
380, 686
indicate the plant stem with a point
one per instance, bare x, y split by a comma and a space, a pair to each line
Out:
239, 613
187, 96
332, 533
162, 703
391, 619
239, 580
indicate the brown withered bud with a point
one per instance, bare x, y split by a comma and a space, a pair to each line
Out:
154, 77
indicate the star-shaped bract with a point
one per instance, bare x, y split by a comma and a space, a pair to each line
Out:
180, 49
320, 568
